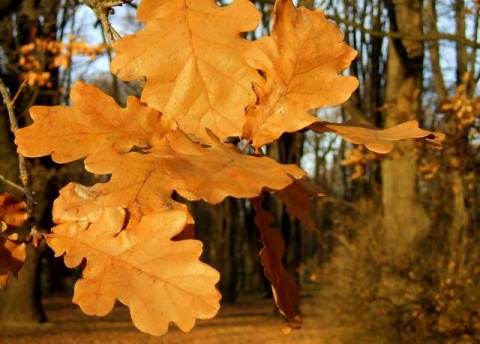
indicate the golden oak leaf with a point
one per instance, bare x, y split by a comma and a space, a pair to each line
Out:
296, 198
12, 211
191, 55
285, 291
160, 280
94, 122
301, 61
175, 163
377, 140
12, 257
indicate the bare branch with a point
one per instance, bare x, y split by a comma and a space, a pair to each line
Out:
102, 9
12, 184
434, 36
24, 175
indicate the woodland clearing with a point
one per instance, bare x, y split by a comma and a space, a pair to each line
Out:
251, 320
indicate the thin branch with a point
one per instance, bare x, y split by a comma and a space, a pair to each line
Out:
20, 90
12, 184
102, 9
435, 36
24, 175
111, 34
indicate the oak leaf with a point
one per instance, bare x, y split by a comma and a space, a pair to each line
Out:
301, 62
94, 122
175, 163
12, 254
191, 55
296, 198
285, 290
148, 158
12, 210
133, 264
377, 140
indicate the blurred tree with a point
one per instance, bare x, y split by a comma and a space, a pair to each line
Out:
21, 23
405, 218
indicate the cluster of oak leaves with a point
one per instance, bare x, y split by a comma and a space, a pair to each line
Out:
204, 84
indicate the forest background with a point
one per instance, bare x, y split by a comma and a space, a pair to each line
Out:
397, 246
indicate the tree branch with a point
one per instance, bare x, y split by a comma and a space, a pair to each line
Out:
24, 175
102, 9
434, 36
12, 184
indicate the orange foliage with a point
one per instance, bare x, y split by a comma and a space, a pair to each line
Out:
465, 109
191, 54
12, 254
301, 62
160, 280
149, 157
204, 83
377, 140
34, 72
358, 158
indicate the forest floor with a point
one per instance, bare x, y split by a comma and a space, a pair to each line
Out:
251, 320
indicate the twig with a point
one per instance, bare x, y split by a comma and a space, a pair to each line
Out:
102, 9
12, 184
20, 90
434, 36
111, 34
24, 176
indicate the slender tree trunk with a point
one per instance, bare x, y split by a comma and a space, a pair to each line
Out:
20, 303
405, 219
32, 19
223, 253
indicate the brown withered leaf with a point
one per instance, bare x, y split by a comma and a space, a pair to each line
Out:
285, 290
191, 55
133, 264
94, 122
296, 198
12, 257
301, 62
12, 211
375, 139
12, 254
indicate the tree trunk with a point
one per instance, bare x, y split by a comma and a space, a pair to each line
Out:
223, 248
405, 219
31, 19
20, 303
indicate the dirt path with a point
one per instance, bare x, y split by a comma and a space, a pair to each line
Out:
249, 321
